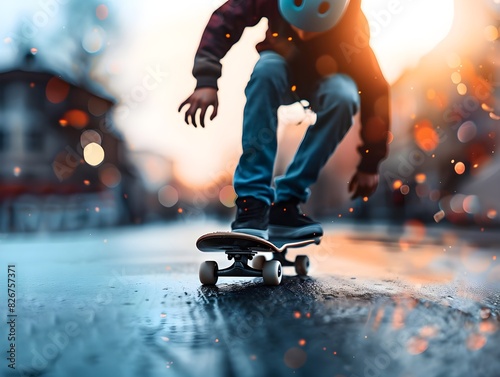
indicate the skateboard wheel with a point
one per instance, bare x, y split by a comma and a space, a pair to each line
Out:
208, 273
258, 262
302, 265
272, 273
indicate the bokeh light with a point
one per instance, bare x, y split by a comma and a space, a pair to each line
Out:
459, 168
227, 196
110, 176
417, 345
76, 118
404, 189
486, 107
462, 89
439, 216
397, 184
168, 196
491, 33
420, 178
295, 358
430, 331
456, 78
476, 342
102, 12
435, 195
457, 203
93, 40
56, 90
426, 137
422, 190
494, 116
491, 214
93, 154
467, 132
471, 204
90, 136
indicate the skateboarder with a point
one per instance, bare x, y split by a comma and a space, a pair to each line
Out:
313, 49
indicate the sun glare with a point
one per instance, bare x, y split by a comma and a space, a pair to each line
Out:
404, 31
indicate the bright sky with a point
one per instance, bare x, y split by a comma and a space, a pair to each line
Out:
149, 68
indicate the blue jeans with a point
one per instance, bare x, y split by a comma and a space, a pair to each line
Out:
335, 102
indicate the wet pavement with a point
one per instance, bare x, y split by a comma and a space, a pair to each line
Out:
380, 301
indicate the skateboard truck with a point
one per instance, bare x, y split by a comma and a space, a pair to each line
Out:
301, 262
242, 248
240, 265
271, 271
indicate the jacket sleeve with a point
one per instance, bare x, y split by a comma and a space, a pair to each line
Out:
374, 93
224, 29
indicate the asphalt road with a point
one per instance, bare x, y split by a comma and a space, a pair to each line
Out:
380, 301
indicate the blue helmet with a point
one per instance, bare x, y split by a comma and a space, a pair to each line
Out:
313, 15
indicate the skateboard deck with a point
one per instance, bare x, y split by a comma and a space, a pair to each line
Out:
233, 241
243, 248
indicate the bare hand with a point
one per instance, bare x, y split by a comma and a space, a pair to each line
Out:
201, 99
363, 184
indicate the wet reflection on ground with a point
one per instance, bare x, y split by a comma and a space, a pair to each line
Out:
379, 302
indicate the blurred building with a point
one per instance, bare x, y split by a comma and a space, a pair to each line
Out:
445, 125
63, 166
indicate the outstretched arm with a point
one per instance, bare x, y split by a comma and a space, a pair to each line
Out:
375, 101
375, 114
224, 29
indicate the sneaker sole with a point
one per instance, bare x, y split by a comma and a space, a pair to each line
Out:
253, 232
286, 232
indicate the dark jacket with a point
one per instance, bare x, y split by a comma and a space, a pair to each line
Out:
342, 49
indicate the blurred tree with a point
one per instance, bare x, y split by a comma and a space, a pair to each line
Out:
67, 37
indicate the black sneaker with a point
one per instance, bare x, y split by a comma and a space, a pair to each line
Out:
286, 221
252, 217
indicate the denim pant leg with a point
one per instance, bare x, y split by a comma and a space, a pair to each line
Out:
265, 92
335, 102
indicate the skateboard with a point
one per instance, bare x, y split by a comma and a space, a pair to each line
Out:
242, 248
